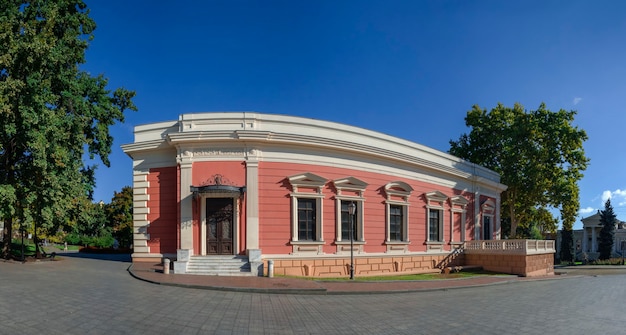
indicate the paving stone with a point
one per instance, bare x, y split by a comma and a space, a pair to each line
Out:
94, 296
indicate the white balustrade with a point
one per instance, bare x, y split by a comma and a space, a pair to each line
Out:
521, 247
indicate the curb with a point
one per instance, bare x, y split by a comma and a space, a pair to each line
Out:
298, 291
327, 291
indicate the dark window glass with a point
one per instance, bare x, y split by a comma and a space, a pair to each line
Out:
306, 220
487, 228
346, 221
433, 225
395, 222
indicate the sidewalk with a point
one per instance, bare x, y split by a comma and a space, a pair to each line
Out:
153, 273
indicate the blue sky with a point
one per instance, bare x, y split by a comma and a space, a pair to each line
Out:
411, 69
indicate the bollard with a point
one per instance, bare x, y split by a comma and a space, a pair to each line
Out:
166, 266
270, 268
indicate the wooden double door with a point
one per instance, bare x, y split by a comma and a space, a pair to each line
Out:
219, 221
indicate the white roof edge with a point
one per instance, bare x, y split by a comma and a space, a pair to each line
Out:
165, 127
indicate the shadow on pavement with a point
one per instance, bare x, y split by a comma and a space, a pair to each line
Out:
105, 257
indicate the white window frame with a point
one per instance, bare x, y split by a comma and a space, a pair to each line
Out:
440, 231
300, 183
357, 188
397, 193
435, 200
488, 210
458, 204
316, 208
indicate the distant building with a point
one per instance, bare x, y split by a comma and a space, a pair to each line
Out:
587, 240
255, 187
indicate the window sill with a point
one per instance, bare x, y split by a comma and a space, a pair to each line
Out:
307, 242
307, 247
348, 242
398, 242
397, 247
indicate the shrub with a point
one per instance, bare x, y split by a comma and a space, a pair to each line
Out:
86, 240
103, 241
73, 239
610, 261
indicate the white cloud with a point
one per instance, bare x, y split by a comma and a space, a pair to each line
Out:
587, 210
577, 100
618, 197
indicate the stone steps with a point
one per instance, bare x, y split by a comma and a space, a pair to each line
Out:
219, 266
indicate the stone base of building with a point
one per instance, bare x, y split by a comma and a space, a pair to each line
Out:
329, 266
527, 258
146, 257
521, 265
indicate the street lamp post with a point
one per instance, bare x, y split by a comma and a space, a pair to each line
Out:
22, 230
351, 210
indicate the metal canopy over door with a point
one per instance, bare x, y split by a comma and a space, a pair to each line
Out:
219, 219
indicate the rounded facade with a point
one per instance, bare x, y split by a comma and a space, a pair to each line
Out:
260, 187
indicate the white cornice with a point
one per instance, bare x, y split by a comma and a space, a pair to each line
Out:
261, 131
132, 148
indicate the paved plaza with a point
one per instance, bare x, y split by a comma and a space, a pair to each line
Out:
98, 296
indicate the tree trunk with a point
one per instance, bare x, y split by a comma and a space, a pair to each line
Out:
513, 218
8, 237
38, 254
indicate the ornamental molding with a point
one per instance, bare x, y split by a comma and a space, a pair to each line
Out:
220, 152
217, 152
217, 179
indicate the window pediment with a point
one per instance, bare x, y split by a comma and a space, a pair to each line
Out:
350, 184
307, 180
436, 195
488, 206
459, 201
398, 189
435, 198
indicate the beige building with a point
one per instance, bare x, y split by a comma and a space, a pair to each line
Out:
587, 240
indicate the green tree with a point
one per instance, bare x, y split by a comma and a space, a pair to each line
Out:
120, 216
539, 155
568, 215
607, 233
91, 220
89, 227
51, 112
567, 246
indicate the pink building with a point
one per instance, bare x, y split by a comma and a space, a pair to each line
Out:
227, 192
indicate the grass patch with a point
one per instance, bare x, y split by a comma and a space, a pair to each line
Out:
69, 247
421, 276
16, 249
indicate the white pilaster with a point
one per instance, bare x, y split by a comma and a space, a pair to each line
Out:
252, 204
477, 223
140, 213
594, 247
585, 238
186, 203
496, 218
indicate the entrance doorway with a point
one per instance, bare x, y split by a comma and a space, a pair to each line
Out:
219, 230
